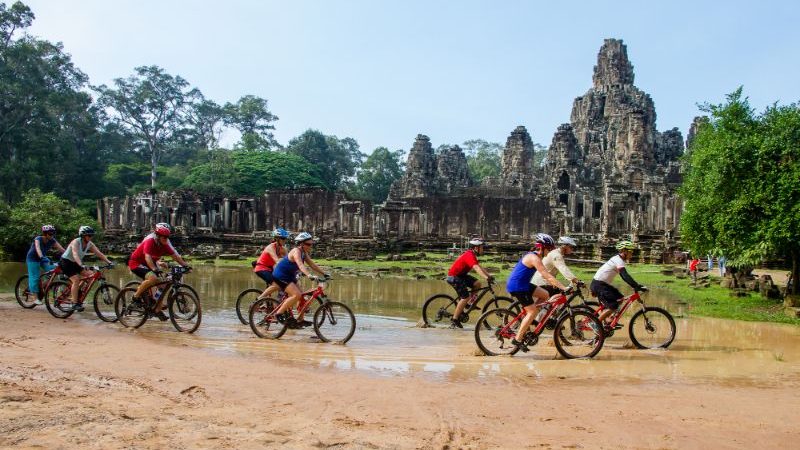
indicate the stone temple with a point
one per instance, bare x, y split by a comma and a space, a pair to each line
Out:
608, 173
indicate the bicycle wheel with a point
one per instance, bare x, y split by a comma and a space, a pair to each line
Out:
24, 296
58, 301
263, 321
494, 330
578, 335
334, 322
438, 310
501, 302
185, 311
104, 298
131, 314
243, 302
652, 328
133, 284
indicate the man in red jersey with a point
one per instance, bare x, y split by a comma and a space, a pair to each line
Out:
458, 276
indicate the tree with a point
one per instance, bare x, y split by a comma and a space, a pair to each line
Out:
251, 117
242, 172
381, 168
152, 105
336, 159
205, 119
48, 128
34, 210
741, 188
483, 158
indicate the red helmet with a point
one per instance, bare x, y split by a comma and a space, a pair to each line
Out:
162, 230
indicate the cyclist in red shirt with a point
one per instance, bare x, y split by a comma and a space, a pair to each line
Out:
458, 276
144, 263
270, 256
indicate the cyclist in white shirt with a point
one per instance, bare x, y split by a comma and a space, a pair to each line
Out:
554, 263
601, 286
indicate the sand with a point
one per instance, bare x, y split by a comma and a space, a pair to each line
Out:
89, 385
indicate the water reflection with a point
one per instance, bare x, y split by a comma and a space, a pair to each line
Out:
387, 343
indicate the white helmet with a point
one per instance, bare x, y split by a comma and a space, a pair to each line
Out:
566, 240
476, 242
303, 237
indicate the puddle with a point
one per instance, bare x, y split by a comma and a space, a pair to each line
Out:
388, 343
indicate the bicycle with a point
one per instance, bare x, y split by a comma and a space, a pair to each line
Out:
439, 308
577, 332
333, 321
58, 298
650, 323
183, 303
22, 292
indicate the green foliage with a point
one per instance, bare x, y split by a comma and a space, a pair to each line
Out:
336, 159
36, 208
251, 173
48, 129
742, 184
483, 158
151, 105
377, 174
251, 117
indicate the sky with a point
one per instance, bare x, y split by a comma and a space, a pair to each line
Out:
383, 72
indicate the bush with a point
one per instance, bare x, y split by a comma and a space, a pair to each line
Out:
25, 220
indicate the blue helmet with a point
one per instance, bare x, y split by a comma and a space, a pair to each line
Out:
280, 233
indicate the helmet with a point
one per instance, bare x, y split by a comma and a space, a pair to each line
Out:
163, 224
625, 245
48, 229
85, 230
162, 229
545, 239
476, 242
303, 237
566, 240
280, 233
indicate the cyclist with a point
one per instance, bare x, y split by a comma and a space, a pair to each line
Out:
520, 287
601, 286
72, 261
37, 259
144, 263
458, 276
285, 277
271, 254
554, 263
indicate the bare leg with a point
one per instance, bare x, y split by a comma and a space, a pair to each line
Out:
294, 294
76, 284
269, 291
463, 302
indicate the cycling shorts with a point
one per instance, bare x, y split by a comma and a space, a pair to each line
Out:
525, 298
608, 295
265, 275
462, 284
142, 271
69, 268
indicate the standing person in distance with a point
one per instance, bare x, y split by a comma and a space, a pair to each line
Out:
458, 276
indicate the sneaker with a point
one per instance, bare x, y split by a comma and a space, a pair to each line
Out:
455, 324
77, 307
38, 302
519, 344
291, 323
161, 316
594, 327
304, 323
282, 317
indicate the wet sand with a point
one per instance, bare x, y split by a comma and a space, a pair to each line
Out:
79, 383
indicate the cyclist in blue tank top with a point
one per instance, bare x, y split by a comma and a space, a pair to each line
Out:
520, 287
285, 276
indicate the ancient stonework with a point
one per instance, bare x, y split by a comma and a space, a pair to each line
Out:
609, 173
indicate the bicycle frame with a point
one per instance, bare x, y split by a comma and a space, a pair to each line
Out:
87, 282
627, 302
556, 303
51, 276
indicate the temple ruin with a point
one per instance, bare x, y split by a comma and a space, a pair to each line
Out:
608, 173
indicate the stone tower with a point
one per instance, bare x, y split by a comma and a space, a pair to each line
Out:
452, 170
517, 165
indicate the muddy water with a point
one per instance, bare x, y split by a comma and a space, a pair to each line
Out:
387, 341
